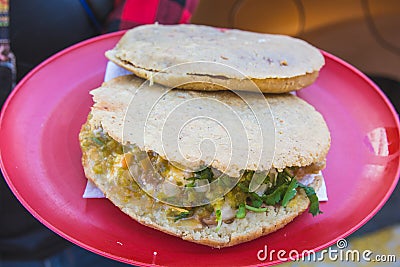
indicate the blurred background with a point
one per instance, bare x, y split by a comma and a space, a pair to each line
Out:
365, 33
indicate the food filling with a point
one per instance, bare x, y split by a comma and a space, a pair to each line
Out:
119, 163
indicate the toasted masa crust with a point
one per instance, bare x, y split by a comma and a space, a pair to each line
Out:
213, 83
185, 55
146, 211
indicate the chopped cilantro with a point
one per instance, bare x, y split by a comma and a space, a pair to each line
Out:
243, 187
241, 212
206, 173
203, 174
255, 209
256, 200
192, 183
314, 202
181, 215
218, 218
282, 188
290, 192
276, 196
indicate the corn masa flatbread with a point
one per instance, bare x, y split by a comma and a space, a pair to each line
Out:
275, 63
103, 161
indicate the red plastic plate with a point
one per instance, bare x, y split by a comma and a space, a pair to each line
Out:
40, 159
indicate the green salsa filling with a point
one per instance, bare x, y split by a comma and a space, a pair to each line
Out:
279, 187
